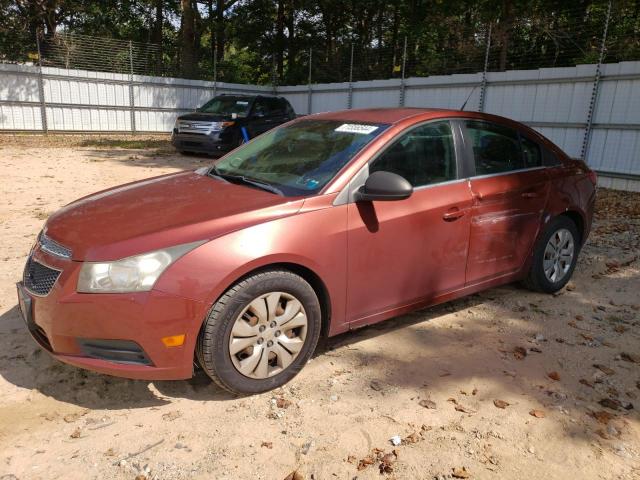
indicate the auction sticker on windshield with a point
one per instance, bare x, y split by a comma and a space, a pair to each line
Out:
356, 128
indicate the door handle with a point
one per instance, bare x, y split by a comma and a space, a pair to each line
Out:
453, 214
530, 195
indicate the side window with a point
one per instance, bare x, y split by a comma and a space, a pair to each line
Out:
531, 154
260, 107
423, 156
496, 149
550, 159
288, 109
275, 106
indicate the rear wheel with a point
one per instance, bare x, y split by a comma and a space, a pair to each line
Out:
555, 256
260, 333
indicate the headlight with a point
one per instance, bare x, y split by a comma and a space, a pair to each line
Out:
217, 126
132, 274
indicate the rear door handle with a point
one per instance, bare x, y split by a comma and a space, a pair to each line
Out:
530, 195
453, 214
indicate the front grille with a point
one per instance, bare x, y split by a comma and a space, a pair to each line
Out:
51, 246
202, 128
117, 351
38, 278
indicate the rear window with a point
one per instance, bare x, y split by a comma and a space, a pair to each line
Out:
550, 159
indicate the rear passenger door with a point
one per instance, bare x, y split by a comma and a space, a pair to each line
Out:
261, 119
278, 110
509, 185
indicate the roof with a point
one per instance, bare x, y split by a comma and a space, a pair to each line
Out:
380, 115
397, 115
247, 95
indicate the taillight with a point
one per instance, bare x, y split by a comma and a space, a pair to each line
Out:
593, 177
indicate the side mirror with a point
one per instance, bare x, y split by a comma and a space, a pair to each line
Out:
384, 186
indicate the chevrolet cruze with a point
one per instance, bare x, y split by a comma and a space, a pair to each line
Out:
325, 224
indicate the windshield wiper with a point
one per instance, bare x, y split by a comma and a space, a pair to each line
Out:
214, 172
245, 180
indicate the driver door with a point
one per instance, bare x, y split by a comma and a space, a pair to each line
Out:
408, 251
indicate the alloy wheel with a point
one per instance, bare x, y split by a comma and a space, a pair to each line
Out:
558, 255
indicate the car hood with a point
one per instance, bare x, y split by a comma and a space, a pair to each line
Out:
207, 117
161, 212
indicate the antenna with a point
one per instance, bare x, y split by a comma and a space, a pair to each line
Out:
471, 93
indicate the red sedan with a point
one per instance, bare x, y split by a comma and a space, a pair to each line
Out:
326, 224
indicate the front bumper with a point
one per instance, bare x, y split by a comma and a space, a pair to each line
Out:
116, 334
213, 144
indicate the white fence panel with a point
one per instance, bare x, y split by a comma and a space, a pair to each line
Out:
376, 94
18, 117
328, 97
443, 91
555, 101
297, 97
18, 87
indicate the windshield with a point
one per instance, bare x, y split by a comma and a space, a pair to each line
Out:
227, 106
300, 158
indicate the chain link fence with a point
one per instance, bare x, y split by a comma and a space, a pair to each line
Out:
82, 52
100, 54
551, 72
564, 38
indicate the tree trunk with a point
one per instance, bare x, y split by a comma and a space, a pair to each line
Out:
212, 32
291, 41
279, 46
379, 30
394, 33
187, 54
220, 37
507, 24
156, 36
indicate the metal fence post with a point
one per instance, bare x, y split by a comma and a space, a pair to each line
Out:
483, 87
310, 91
215, 65
594, 92
404, 63
43, 104
350, 96
274, 75
132, 103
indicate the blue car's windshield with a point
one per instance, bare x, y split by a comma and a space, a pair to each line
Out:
301, 158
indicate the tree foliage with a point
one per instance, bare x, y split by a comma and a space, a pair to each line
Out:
260, 41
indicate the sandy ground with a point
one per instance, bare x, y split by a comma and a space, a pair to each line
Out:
437, 378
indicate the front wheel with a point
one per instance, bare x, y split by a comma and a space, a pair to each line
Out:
260, 333
555, 256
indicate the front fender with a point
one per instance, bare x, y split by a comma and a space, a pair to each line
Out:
315, 240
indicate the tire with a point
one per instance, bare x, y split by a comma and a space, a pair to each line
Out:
561, 229
234, 319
